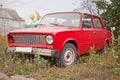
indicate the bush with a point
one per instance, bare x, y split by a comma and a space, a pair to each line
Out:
39, 61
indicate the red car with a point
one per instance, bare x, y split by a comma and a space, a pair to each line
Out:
63, 35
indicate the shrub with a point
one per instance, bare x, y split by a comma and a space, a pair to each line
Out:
40, 61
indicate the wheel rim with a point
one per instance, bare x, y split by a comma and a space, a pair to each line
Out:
69, 56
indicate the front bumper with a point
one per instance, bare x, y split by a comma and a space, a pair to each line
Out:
35, 51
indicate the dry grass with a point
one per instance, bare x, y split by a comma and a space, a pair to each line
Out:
92, 67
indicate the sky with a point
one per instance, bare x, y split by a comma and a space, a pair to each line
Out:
27, 7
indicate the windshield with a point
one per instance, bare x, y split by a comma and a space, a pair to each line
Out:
61, 19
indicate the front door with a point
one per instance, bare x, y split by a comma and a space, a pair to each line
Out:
87, 33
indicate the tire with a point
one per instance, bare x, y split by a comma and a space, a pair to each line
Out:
68, 55
105, 49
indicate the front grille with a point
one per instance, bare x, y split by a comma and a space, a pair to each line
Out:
29, 39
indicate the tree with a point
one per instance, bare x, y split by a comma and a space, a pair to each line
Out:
87, 5
111, 14
35, 17
108, 10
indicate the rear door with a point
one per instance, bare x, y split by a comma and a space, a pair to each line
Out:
100, 33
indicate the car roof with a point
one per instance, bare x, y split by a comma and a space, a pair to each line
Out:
80, 12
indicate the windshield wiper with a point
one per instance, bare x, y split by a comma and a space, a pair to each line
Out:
56, 24
38, 25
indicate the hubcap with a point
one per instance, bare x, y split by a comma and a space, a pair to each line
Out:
69, 56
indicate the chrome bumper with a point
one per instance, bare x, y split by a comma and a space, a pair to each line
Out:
35, 51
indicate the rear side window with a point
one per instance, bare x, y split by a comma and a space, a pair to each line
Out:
87, 21
97, 23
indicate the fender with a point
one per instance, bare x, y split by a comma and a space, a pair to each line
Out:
67, 40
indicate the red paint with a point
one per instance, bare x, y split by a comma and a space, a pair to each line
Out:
83, 37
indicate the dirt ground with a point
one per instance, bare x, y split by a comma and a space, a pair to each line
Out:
3, 76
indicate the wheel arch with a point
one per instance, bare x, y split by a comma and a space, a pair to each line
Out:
107, 40
72, 41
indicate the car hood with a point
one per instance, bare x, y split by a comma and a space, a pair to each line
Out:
43, 30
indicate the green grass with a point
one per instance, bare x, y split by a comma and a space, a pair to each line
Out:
94, 66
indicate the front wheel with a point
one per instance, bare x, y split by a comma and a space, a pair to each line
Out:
68, 55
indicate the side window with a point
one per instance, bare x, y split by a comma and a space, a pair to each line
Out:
97, 23
87, 21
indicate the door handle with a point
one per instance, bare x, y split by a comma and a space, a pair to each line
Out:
94, 32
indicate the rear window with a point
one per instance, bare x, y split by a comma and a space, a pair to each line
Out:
97, 23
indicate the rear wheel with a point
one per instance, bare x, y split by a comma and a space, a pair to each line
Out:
68, 55
106, 46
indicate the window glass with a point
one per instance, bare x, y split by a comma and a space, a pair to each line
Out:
97, 23
61, 19
87, 21
5, 22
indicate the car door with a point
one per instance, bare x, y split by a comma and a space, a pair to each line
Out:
87, 33
100, 33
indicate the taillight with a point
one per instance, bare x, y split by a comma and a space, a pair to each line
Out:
10, 40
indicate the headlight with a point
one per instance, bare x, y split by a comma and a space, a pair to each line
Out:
49, 39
